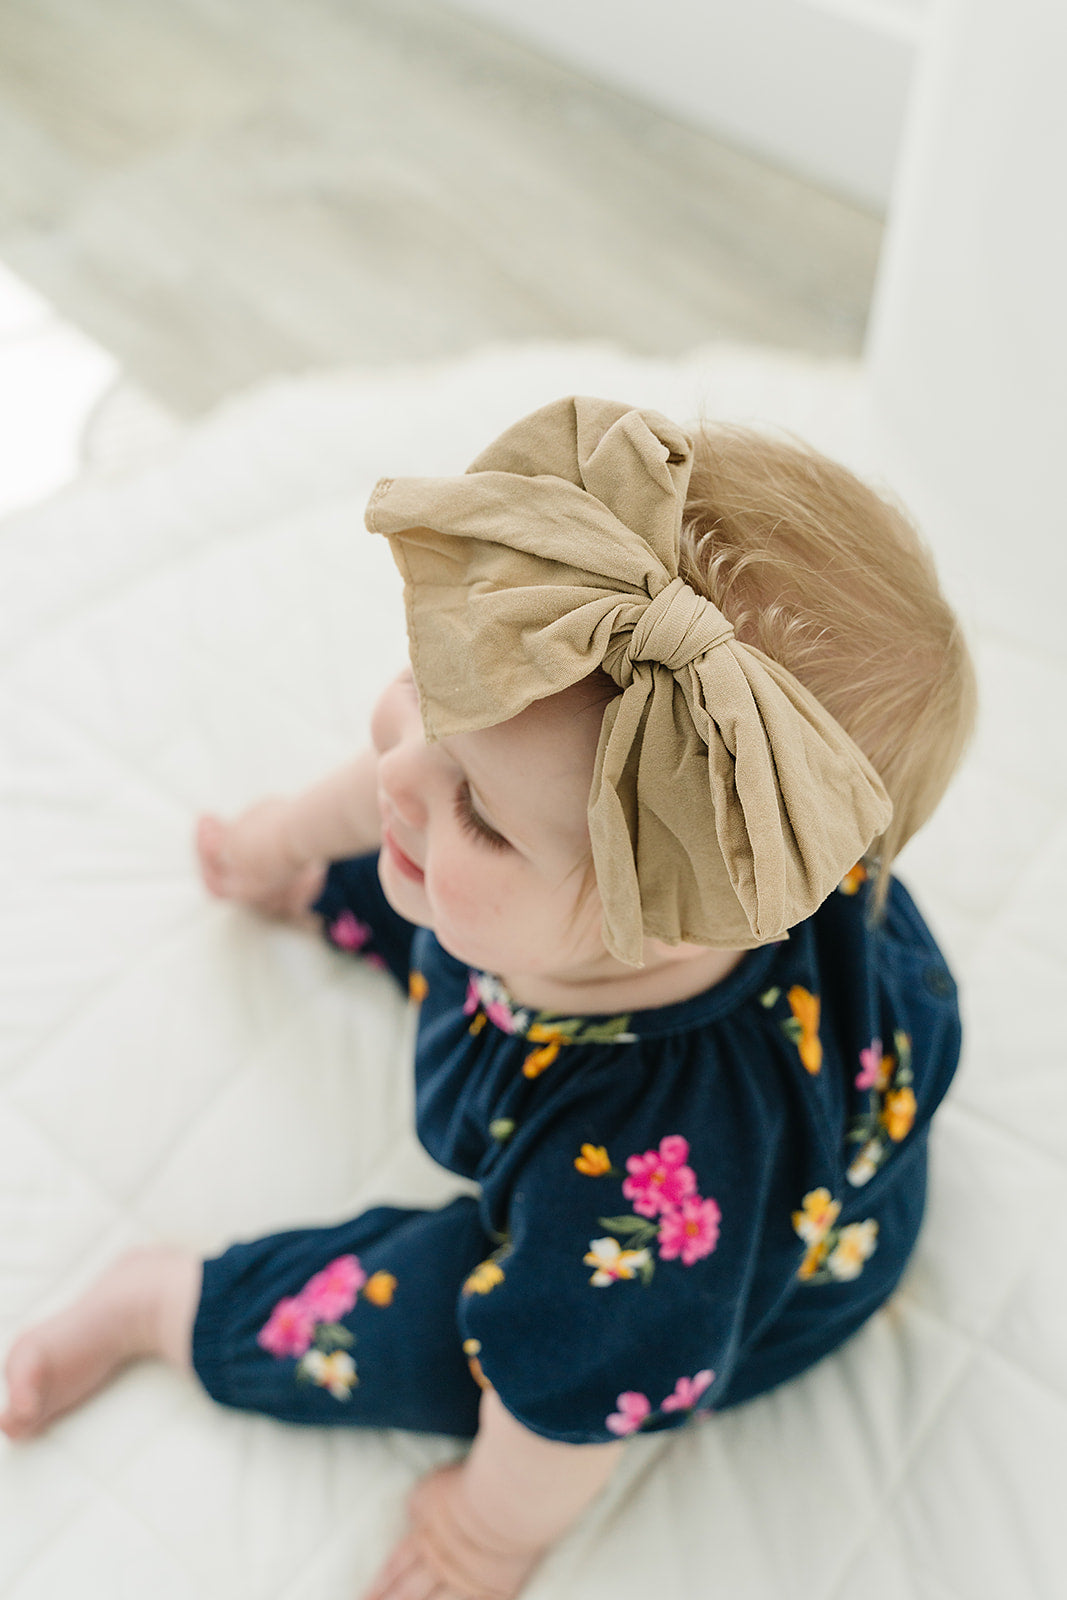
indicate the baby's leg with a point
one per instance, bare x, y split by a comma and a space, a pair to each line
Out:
351, 1325
142, 1305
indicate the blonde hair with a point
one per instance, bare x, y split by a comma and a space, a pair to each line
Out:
818, 571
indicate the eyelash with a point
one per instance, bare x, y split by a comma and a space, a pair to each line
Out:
473, 823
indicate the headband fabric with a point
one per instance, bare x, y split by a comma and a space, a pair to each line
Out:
726, 802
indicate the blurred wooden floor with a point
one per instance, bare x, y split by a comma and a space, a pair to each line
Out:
219, 191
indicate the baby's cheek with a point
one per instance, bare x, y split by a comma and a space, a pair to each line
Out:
457, 898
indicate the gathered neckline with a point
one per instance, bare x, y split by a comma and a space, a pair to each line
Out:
488, 994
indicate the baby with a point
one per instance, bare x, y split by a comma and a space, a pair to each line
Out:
624, 834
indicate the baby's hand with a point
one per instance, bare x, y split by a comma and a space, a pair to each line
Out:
250, 860
446, 1555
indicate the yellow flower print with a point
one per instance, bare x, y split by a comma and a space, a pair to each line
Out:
471, 1349
612, 1262
854, 877
594, 1161
418, 988
814, 1259
485, 1276
832, 1253
538, 1060
335, 1372
820, 1212
478, 1022
550, 1040
898, 1113
864, 1165
805, 1008
813, 1223
854, 1244
380, 1288
891, 1106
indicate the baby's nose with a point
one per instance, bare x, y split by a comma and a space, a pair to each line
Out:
403, 785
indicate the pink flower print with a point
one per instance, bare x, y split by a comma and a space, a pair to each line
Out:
332, 1292
687, 1392
289, 1330
690, 1230
870, 1065
659, 1180
348, 932
486, 993
633, 1409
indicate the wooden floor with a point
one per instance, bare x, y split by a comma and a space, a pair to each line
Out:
219, 191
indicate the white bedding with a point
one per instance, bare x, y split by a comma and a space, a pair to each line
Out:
214, 626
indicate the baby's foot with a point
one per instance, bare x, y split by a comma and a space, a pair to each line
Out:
244, 861
143, 1305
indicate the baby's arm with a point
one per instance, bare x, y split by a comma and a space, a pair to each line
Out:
482, 1526
336, 817
273, 857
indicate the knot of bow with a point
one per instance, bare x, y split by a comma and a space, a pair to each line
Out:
677, 627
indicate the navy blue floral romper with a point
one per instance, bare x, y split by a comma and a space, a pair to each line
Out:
679, 1208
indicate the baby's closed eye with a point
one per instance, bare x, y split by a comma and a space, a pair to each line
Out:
475, 824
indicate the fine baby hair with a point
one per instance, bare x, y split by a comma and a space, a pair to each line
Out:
832, 580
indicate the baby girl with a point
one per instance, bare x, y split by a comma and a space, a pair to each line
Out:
624, 834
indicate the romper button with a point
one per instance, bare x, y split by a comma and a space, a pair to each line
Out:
938, 981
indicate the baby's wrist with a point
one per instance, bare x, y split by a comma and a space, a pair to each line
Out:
509, 1538
464, 1552
293, 844
526, 1488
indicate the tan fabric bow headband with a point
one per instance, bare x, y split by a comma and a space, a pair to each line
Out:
726, 803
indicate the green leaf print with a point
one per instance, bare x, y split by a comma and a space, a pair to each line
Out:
333, 1336
614, 1031
640, 1232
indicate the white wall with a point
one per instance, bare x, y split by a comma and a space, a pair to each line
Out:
818, 86
968, 347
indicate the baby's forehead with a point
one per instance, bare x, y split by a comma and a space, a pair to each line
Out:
561, 729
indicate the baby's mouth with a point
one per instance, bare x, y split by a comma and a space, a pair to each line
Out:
404, 864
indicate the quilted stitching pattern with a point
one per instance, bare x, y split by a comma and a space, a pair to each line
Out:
215, 627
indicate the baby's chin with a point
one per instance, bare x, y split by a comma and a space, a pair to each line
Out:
404, 897
409, 901
469, 952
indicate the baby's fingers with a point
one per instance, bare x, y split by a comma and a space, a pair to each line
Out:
210, 850
406, 1577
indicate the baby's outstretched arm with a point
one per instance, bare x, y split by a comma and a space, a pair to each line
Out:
273, 857
480, 1527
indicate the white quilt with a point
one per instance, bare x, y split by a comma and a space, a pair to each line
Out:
214, 626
